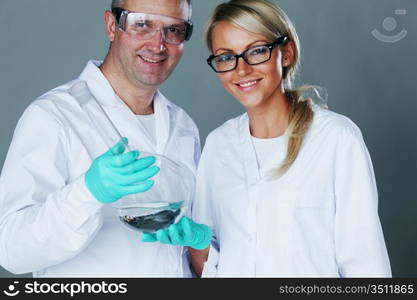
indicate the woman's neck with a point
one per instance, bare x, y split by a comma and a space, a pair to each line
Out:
271, 119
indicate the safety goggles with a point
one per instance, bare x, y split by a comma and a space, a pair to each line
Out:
252, 56
144, 26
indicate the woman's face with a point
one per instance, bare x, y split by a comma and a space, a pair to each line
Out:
252, 85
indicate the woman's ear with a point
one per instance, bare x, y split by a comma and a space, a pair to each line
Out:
110, 23
288, 54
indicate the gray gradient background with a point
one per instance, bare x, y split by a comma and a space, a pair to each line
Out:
45, 43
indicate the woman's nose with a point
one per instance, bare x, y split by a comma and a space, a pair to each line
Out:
243, 68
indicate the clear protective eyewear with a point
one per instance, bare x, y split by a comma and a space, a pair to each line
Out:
144, 26
252, 56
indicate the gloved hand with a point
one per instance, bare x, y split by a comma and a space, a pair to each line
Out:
185, 233
115, 174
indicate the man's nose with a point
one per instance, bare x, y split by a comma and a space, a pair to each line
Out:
157, 42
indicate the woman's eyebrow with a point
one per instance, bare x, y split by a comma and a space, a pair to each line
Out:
223, 50
247, 46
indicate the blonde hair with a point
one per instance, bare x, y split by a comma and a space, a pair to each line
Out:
265, 18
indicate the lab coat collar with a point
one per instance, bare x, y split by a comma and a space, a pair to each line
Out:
101, 88
104, 93
248, 151
98, 84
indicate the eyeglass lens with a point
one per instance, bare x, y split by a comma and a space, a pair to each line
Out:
252, 56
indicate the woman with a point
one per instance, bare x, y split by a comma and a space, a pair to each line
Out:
288, 187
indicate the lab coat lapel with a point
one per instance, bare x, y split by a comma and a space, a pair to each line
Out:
248, 152
120, 114
162, 121
129, 126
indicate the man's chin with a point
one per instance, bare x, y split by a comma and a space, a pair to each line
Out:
151, 81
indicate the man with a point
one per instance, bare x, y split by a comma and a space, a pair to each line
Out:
56, 183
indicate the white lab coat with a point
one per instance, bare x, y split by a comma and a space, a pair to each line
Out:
320, 219
50, 224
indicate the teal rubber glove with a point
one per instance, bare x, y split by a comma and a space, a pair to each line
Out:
186, 233
115, 174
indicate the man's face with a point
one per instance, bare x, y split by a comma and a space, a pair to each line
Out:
148, 62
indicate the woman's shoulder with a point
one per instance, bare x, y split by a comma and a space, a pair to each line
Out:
228, 130
327, 121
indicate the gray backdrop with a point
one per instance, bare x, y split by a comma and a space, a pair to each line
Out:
45, 43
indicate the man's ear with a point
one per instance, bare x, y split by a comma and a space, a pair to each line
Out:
288, 54
110, 23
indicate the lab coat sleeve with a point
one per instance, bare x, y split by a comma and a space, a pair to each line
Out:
44, 219
202, 208
210, 266
197, 149
196, 159
359, 240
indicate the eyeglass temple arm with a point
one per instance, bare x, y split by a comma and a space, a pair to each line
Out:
282, 39
117, 11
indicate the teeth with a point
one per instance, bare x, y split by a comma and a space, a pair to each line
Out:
247, 83
151, 60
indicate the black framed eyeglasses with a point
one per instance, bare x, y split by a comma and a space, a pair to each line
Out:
252, 56
144, 26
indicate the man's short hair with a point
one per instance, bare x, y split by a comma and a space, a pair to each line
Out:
119, 4
116, 3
